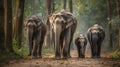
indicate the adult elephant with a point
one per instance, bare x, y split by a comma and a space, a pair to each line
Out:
36, 31
96, 35
63, 25
81, 43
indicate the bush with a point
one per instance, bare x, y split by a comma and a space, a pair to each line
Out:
115, 54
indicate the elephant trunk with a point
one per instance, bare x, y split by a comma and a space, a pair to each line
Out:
30, 32
57, 31
95, 41
82, 49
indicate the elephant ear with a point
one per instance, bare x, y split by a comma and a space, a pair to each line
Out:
76, 40
102, 34
48, 22
85, 41
89, 35
25, 24
51, 19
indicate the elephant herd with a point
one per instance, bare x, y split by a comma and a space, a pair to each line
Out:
63, 25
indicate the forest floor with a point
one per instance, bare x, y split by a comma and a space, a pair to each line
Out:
49, 61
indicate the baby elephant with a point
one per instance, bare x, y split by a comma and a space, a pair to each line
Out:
81, 43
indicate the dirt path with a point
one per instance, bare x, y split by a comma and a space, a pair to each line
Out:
49, 61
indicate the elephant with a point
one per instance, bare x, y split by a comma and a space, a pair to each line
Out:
96, 35
63, 25
81, 43
35, 30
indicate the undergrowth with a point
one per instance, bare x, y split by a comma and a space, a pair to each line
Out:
21, 52
115, 54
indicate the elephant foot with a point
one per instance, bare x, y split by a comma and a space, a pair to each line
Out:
34, 57
81, 56
57, 57
39, 56
69, 56
66, 56
98, 57
94, 57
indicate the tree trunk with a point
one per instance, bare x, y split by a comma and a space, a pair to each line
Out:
20, 22
48, 7
109, 24
64, 4
1, 26
53, 6
71, 10
118, 14
18, 26
70, 6
15, 31
117, 8
8, 25
47, 37
33, 7
119, 38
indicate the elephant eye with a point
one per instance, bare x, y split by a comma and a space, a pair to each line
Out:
62, 21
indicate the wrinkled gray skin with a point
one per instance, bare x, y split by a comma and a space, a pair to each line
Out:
63, 25
36, 31
81, 43
95, 36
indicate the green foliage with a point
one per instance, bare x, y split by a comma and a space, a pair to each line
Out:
115, 22
23, 51
6, 56
35, 7
115, 54
46, 50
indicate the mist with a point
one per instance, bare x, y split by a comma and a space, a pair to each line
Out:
86, 12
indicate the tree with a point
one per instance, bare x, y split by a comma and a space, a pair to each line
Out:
118, 14
64, 4
70, 6
8, 25
18, 26
50, 8
1, 26
109, 23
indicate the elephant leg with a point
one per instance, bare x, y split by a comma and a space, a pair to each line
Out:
40, 49
61, 45
84, 51
95, 43
95, 53
30, 48
78, 50
69, 56
41, 39
72, 33
57, 49
94, 50
92, 53
98, 50
35, 48
30, 40
66, 44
